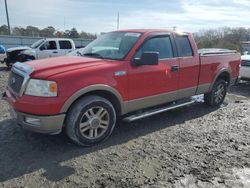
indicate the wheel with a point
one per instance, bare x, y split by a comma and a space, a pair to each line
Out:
9, 65
217, 96
90, 120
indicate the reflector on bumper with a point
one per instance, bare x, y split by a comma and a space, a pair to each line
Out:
32, 121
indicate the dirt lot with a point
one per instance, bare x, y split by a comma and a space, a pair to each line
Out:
194, 146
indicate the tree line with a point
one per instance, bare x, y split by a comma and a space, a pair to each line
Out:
45, 32
225, 37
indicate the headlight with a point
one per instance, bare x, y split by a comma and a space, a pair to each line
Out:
41, 88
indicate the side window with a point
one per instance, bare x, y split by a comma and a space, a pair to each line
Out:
184, 46
49, 45
160, 44
65, 44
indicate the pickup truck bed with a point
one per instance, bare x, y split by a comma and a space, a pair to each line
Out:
214, 61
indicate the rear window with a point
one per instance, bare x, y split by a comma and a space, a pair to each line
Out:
245, 63
64, 44
184, 46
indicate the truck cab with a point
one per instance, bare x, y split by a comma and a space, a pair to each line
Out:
46, 48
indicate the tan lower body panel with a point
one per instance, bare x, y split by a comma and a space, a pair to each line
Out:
151, 101
203, 89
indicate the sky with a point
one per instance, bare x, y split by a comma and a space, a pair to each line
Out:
97, 16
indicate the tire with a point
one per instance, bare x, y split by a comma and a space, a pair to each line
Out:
217, 96
9, 65
90, 120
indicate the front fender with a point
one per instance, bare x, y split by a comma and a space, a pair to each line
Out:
97, 87
29, 53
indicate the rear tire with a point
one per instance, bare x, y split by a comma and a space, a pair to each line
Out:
90, 121
216, 97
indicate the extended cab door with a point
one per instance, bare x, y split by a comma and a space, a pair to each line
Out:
189, 64
65, 47
152, 85
48, 49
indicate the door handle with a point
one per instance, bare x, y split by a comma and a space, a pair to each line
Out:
175, 68
55, 52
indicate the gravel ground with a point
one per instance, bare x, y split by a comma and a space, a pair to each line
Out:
195, 146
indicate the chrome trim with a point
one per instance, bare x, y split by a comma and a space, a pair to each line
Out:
156, 111
120, 73
23, 70
217, 54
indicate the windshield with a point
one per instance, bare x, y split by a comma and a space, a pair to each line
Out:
37, 43
115, 45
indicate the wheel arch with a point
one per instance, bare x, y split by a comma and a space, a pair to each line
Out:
104, 91
224, 74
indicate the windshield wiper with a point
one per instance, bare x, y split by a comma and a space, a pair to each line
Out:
94, 55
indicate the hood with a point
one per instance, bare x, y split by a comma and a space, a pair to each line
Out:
29, 52
18, 48
47, 67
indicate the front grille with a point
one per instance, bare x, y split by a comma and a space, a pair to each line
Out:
245, 63
15, 82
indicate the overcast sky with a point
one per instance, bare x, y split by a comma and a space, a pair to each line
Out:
100, 15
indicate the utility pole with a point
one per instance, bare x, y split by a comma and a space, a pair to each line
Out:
118, 21
7, 15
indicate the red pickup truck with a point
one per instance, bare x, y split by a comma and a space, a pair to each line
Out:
128, 74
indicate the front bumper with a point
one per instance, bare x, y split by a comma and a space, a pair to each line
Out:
47, 124
41, 124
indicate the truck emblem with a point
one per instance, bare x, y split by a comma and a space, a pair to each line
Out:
120, 73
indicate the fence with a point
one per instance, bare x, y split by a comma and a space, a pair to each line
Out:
9, 41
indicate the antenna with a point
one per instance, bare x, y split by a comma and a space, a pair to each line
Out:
118, 20
64, 23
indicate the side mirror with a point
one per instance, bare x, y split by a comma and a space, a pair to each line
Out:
147, 58
42, 48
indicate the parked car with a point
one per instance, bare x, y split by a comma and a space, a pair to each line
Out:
127, 75
245, 68
41, 49
2, 53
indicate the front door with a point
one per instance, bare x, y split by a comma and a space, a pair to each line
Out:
154, 84
48, 49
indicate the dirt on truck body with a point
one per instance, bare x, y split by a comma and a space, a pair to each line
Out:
196, 146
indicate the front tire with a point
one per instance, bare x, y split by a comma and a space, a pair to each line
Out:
90, 120
217, 96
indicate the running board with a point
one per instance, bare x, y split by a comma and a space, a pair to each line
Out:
156, 111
